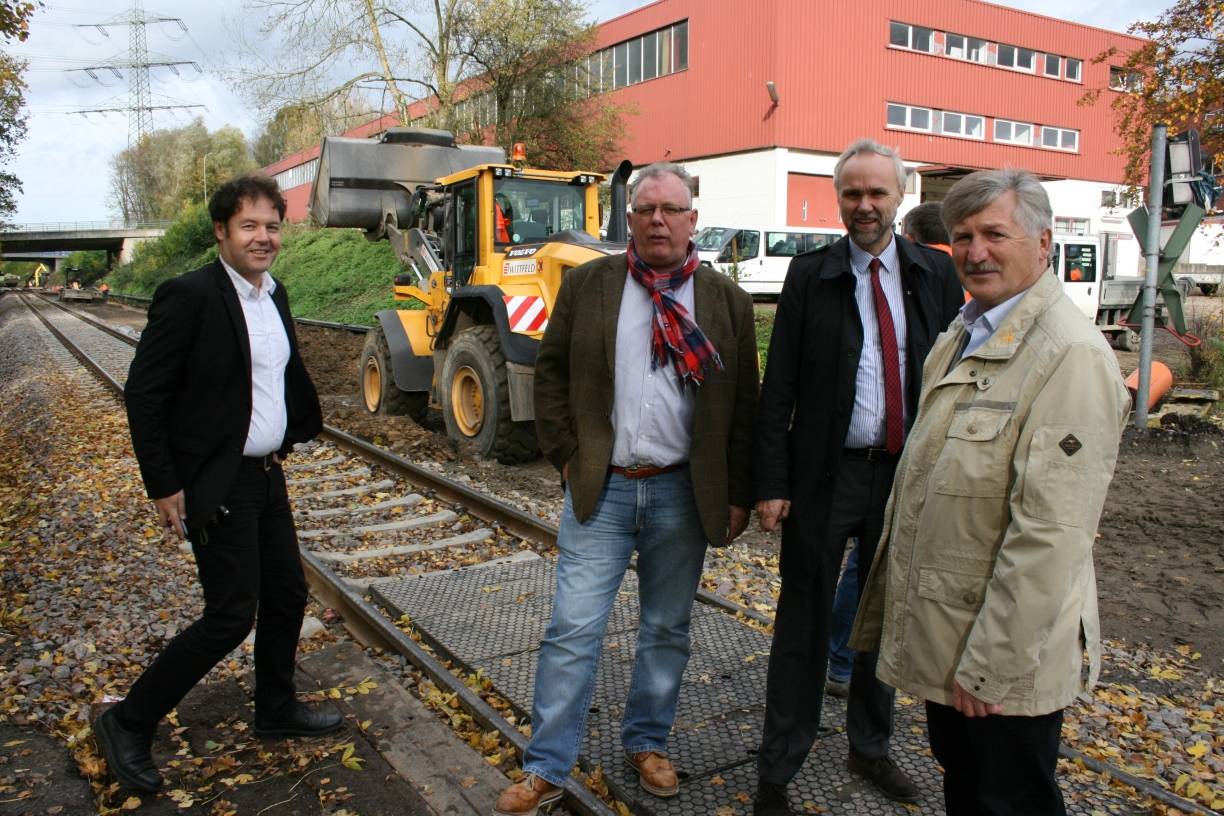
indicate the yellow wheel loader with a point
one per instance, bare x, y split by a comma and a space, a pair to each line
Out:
483, 245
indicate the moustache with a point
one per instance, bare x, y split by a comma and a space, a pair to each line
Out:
983, 266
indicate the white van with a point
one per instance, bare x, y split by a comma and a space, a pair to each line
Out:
757, 257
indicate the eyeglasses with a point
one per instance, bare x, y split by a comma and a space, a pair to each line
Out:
647, 210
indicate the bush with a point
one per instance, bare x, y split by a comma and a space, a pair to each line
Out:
188, 243
1206, 361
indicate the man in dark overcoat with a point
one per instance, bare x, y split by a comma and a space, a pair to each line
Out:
855, 321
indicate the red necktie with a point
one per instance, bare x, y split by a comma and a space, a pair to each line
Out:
894, 417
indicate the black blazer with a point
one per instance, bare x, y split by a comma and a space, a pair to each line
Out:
188, 392
810, 375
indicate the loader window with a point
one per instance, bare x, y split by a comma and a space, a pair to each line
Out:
1081, 263
465, 232
533, 209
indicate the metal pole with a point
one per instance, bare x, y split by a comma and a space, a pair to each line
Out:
204, 179
1152, 250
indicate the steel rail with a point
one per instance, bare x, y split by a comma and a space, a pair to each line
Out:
305, 321
78, 352
325, 324
372, 627
93, 321
376, 629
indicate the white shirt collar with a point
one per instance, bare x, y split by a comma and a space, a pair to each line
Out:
860, 258
267, 284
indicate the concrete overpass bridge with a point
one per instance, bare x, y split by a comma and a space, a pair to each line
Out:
47, 240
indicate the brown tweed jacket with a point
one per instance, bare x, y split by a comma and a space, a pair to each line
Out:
574, 383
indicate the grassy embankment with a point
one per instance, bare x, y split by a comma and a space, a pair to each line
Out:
330, 274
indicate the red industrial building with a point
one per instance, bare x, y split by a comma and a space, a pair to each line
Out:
757, 99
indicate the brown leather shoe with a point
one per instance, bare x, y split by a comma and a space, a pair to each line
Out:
526, 796
655, 773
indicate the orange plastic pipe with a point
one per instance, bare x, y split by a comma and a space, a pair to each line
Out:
1161, 382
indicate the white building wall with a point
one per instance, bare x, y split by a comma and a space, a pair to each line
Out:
736, 189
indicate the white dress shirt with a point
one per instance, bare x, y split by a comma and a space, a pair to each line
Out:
269, 356
652, 413
867, 419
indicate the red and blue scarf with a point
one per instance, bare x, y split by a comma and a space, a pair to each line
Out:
675, 336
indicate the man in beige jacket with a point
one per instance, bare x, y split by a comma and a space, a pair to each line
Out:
982, 597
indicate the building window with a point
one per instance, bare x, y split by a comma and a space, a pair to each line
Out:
1121, 79
908, 117
915, 38
655, 54
1073, 69
954, 46
1020, 133
1071, 226
1060, 138
962, 124
650, 56
297, 176
977, 50
1021, 59
1053, 65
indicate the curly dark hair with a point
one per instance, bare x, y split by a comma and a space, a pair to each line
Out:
228, 198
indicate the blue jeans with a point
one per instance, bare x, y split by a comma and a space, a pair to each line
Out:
657, 518
845, 606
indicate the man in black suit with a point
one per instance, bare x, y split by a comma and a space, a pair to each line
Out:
854, 323
217, 395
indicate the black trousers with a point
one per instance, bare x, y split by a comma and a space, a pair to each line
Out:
248, 563
798, 658
997, 765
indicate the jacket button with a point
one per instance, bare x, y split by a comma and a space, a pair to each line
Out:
973, 372
977, 688
972, 429
969, 598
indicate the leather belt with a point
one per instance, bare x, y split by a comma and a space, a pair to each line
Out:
872, 454
265, 462
644, 471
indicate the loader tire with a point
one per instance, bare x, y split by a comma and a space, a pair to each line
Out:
475, 397
378, 391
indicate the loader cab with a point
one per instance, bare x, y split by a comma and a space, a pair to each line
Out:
527, 211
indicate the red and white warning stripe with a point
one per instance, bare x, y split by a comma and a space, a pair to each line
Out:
526, 312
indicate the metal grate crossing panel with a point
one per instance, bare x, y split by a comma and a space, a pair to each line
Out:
492, 618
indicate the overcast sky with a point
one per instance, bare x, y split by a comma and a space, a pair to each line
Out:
64, 162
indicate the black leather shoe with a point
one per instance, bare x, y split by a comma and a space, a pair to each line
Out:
885, 775
300, 722
770, 800
127, 753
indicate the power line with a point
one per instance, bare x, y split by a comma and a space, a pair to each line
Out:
136, 63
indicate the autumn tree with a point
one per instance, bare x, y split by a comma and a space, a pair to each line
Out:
528, 65
298, 126
1176, 78
169, 169
14, 26
487, 70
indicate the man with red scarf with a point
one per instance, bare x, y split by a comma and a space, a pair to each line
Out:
645, 390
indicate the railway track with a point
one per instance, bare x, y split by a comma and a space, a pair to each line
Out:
367, 518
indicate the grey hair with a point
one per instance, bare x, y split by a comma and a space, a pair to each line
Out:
977, 191
869, 146
657, 170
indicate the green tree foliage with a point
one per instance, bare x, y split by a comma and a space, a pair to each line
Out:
168, 170
90, 265
1176, 78
14, 26
527, 57
189, 242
